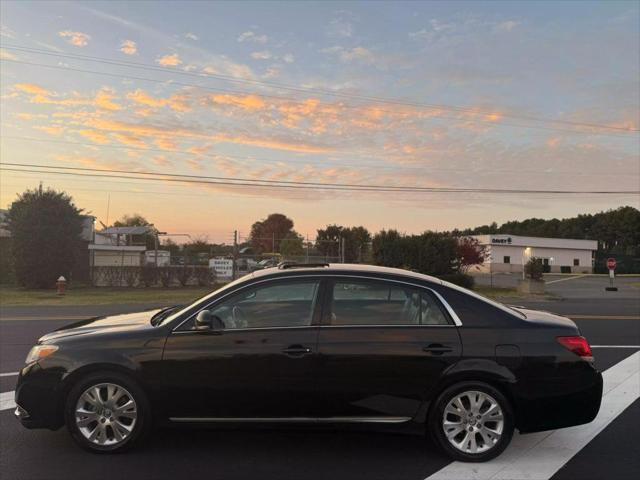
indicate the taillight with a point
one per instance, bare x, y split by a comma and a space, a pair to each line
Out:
577, 345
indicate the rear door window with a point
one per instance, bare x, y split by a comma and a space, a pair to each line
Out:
377, 302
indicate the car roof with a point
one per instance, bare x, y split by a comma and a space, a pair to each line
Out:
347, 268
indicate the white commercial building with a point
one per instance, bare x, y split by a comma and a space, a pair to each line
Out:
508, 253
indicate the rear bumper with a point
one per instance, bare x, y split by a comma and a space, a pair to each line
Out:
562, 409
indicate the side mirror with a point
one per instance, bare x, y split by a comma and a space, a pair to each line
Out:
207, 322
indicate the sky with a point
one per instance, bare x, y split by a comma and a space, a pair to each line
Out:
489, 95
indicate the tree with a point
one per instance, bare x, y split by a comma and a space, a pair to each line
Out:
356, 242
469, 252
45, 227
267, 234
432, 253
292, 245
137, 220
173, 247
328, 240
388, 249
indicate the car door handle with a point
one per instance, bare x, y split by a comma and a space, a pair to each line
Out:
437, 349
296, 351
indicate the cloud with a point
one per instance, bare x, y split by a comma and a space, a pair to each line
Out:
289, 58
553, 142
507, 26
128, 47
250, 36
271, 72
356, 54
51, 129
134, 134
6, 32
177, 102
31, 88
340, 27
222, 65
169, 60
191, 36
104, 100
247, 102
161, 161
78, 39
4, 55
94, 136
263, 55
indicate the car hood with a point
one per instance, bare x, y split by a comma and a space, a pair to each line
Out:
543, 317
113, 323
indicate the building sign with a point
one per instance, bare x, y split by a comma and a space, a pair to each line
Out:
501, 241
223, 267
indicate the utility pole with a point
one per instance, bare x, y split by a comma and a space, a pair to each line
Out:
235, 253
344, 244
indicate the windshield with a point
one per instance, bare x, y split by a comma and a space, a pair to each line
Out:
204, 299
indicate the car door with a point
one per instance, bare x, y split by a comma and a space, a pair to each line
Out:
261, 365
382, 345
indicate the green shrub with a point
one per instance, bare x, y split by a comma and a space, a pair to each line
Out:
534, 269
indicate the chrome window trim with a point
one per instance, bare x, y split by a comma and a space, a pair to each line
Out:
456, 320
250, 329
289, 419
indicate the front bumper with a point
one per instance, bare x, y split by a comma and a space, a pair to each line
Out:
38, 397
20, 413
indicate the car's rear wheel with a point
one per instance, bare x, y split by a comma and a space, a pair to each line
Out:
472, 421
106, 412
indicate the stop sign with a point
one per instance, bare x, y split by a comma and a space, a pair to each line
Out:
611, 263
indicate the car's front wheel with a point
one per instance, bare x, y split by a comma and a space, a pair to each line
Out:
106, 412
472, 421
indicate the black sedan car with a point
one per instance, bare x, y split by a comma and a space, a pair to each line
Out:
317, 344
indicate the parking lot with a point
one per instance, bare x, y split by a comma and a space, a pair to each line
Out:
602, 449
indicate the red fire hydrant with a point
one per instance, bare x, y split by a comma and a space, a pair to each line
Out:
61, 284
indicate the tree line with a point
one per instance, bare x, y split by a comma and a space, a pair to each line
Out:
45, 227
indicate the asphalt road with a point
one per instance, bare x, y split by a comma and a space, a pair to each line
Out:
572, 286
298, 453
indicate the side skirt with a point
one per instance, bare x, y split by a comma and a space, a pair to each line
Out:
290, 420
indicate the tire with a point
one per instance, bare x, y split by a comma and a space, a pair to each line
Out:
484, 435
107, 412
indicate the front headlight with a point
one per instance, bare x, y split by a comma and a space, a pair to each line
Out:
39, 352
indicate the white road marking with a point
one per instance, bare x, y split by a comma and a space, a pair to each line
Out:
615, 346
10, 374
6, 400
539, 456
548, 282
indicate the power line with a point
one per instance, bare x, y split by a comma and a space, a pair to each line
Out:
155, 193
288, 160
309, 90
324, 186
179, 175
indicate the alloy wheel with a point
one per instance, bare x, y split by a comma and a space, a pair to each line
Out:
473, 422
106, 414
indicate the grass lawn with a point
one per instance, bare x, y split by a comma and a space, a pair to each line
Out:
509, 294
178, 295
101, 295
